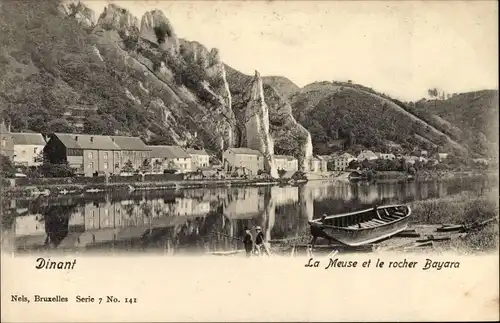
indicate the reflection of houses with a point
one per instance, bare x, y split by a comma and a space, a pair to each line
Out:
243, 203
88, 154
287, 163
249, 159
27, 148
29, 225
284, 195
367, 154
6, 141
170, 157
199, 158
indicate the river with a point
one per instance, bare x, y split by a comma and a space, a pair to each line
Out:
200, 220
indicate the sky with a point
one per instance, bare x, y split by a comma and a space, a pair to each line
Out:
401, 48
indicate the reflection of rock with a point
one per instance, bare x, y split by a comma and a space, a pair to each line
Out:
306, 203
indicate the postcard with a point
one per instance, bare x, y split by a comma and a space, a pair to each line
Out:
240, 161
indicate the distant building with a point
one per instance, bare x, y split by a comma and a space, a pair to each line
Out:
317, 164
287, 163
366, 154
6, 141
424, 153
441, 156
132, 150
28, 148
249, 159
89, 154
199, 158
341, 163
385, 156
170, 157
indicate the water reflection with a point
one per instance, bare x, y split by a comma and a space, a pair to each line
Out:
200, 220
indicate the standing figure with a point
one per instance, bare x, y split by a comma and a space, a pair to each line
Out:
248, 242
259, 242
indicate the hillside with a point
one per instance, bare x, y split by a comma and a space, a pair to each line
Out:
283, 86
470, 118
66, 71
368, 119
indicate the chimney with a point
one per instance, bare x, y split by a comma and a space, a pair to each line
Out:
91, 139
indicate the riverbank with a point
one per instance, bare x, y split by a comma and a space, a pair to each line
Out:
77, 189
427, 215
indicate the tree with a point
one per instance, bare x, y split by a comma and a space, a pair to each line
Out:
146, 166
433, 93
59, 125
128, 167
6, 167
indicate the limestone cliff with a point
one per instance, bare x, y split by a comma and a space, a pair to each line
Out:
157, 29
289, 137
257, 125
183, 88
115, 18
79, 11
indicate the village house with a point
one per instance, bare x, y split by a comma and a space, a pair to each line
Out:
28, 148
95, 154
199, 158
287, 163
441, 156
169, 158
317, 164
249, 159
341, 163
132, 152
366, 154
6, 141
385, 156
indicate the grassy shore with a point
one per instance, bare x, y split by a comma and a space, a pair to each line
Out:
462, 208
455, 209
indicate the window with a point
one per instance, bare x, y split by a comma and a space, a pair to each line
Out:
4, 142
91, 155
117, 155
105, 165
91, 165
105, 155
35, 150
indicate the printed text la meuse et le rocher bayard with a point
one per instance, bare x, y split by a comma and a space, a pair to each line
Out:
337, 263
42, 263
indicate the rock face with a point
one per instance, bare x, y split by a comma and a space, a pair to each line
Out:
157, 29
188, 89
76, 9
257, 126
119, 19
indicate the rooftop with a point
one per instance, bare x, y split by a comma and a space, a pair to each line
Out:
27, 138
94, 142
289, 158
245, 151
168, 152
196, 151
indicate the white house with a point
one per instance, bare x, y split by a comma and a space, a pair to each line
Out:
170, 157
199, 158
287, 163
367, 154
28, 148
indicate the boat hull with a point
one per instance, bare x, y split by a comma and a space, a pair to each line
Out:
361, 237
362, 227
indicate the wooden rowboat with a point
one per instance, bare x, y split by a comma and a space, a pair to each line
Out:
362, 227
